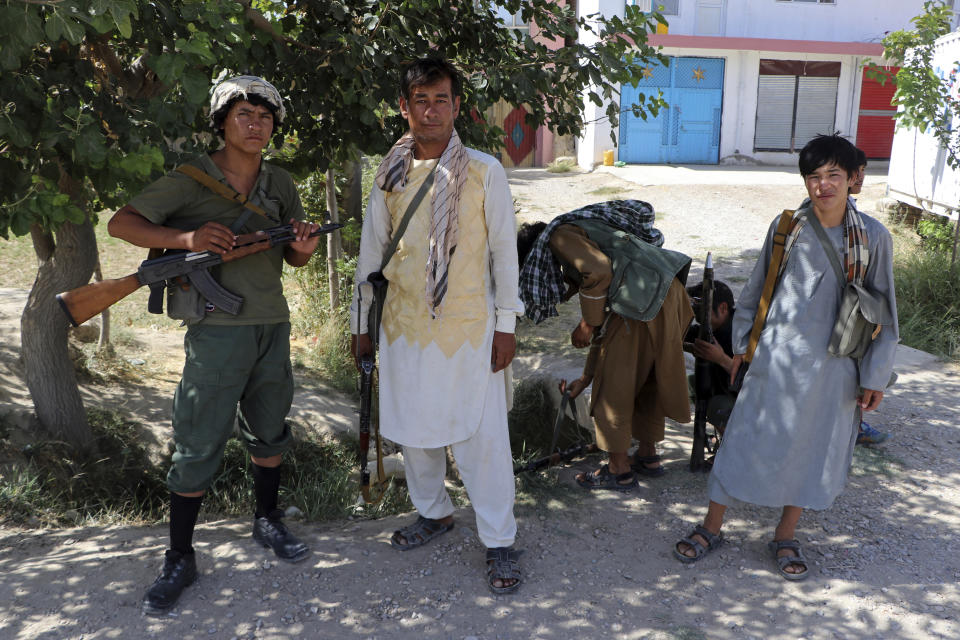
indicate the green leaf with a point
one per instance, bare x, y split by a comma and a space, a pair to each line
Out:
168, 66
9, 57
73, 214
20, 224
90, 147
60, 27
196, 84
197, 45
124, 26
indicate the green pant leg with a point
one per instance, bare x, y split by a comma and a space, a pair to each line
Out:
218, 363
268, 395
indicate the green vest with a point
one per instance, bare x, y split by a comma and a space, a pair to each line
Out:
642, 273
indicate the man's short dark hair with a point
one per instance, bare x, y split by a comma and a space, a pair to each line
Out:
427, 71
721, 293
861, 157
258, 101
826, 149
526, 237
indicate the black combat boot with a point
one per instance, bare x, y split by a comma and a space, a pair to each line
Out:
179, 572
271, 532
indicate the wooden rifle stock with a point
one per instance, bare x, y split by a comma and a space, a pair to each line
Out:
87, 301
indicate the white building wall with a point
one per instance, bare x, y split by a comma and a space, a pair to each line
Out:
596, 138
846, 21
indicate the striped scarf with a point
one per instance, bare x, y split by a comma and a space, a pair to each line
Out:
857, 254
444, 205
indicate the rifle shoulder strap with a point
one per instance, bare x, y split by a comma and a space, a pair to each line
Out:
411, 208
829, 249
776, 259
224, 191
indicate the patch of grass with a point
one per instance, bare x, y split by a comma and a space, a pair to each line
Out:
320, 477
607, 191
928, 300
330, 355
47, 484
531, 423
562, 165
532, 420
42, 485
936, 233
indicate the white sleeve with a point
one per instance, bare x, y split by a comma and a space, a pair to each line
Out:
502, 240
374, 238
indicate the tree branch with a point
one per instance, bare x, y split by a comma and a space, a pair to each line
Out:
137, 81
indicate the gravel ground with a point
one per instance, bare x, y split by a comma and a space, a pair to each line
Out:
595, 566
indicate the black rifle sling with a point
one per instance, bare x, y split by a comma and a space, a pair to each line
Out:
375, 306
405, 221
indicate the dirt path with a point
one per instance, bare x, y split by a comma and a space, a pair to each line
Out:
596, 566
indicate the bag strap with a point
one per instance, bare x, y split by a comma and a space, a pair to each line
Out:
411, 208
779, 242
224, 191
828, 248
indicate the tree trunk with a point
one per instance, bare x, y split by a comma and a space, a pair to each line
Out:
50, 377
353, 195
333, 244
104, 341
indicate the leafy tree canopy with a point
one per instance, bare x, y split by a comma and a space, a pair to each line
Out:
100, 96
108, 92
923, 92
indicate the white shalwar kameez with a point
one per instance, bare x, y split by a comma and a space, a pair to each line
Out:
437, 387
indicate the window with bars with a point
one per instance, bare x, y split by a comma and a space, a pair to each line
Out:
796, 101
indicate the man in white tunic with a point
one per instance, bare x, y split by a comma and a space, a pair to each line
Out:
790, 438
448, 322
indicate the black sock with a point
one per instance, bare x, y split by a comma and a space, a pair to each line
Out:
183, 517
266, 488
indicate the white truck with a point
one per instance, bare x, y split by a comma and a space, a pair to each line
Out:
919, 174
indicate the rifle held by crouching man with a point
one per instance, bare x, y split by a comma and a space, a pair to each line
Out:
83, 303
701, 371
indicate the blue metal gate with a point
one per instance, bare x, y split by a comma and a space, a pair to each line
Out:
686, 133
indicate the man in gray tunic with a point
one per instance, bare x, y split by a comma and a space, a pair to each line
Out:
790, 437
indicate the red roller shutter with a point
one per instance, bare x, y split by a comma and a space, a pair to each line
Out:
877, 117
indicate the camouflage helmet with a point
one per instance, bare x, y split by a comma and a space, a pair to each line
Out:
242, 86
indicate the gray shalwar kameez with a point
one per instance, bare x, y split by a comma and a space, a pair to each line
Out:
790, 437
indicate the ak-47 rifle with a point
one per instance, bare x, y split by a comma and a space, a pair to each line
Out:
83, 303
557, 456
378, 286
701, 371
366, 402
